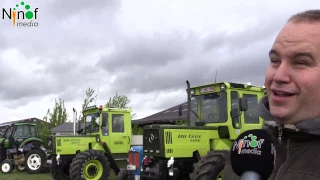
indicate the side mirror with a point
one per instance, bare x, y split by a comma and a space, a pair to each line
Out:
243, 104
180, 110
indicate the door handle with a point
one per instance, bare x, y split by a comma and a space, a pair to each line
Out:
124, 136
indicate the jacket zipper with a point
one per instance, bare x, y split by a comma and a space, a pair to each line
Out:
287, 155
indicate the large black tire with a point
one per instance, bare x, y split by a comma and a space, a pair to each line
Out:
95, 162
61, 171
124, 174
35, 161
6, 166
209, 166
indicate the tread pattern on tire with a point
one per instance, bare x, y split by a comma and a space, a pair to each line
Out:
208, 165
123, 174
79, 160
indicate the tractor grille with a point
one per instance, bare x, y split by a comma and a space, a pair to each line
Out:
168, 137
151, 141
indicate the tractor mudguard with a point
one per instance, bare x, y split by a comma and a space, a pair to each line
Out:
33, 145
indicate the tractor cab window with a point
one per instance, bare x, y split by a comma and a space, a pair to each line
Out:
235, 111
22, 132
33, 131
92, 122
117, 123
2, 131
8, 133
194, 107
105, 128
214, 107
251, 116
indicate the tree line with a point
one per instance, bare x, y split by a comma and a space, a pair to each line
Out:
58, 114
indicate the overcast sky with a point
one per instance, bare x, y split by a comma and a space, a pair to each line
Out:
143, 49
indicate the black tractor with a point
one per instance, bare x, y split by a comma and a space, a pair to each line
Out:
21, 148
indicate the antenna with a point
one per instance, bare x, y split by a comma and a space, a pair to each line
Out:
97, 96
215, 78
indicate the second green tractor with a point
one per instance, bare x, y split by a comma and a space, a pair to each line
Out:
216, 114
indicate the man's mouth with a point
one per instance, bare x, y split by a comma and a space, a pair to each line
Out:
282, 93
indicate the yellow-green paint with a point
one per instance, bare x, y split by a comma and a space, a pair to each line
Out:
184, 142
221, 144
67, 145
97, 168
97, 146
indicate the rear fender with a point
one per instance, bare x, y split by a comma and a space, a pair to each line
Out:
31, 141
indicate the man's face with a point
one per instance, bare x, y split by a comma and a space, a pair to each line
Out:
293, 76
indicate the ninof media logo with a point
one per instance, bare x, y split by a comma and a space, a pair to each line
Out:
22, 15
248, 145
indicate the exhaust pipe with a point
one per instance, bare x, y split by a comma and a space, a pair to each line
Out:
189, 102
74, 121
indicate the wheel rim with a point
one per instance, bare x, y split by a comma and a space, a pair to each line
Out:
34, 161
21, 167
93, 170
5, 167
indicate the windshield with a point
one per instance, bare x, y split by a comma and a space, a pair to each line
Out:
92, 122
213, 108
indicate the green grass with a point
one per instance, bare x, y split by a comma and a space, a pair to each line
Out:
15, 175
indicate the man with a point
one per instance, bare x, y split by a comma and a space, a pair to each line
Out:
291, 109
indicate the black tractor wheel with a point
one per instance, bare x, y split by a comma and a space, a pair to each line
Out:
61, 171
124, 174
35, 161
209, 166
6, 166
90, 164
20, 168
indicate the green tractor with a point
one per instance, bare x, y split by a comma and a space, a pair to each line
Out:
216, 114
21, 148
102, 145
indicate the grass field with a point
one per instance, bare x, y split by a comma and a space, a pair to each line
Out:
25, 176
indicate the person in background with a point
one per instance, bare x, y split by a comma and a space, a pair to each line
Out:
291, 108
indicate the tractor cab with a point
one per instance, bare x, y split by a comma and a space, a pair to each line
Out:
229, 106
16, 133
113, 125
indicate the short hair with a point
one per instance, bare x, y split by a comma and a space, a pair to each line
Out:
306, 16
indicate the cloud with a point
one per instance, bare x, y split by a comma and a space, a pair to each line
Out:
143, 49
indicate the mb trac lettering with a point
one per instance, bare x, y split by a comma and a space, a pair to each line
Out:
118, 142
192, 137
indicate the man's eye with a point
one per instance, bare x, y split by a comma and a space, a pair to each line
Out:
301, 63
274, 61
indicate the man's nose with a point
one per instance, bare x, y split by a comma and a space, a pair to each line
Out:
282, 73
